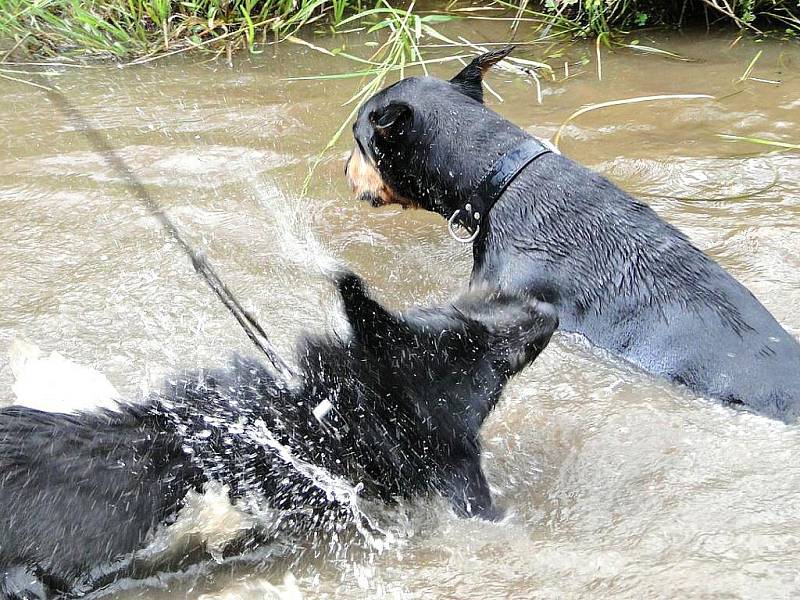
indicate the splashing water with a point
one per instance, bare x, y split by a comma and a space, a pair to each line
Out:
335, 488
294, 222
620, 485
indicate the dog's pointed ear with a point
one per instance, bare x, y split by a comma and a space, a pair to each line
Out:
368, 319
469, 80
391, 120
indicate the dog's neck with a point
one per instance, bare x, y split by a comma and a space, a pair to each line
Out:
474, 209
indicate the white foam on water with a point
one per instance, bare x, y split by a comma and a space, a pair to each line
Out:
54, 383
260, 588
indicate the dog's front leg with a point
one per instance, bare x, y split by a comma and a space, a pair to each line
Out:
468, 491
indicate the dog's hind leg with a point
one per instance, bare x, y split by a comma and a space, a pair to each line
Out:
102, 576
20, 583
468, 491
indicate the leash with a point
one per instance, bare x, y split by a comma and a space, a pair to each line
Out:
201, 265
492, 185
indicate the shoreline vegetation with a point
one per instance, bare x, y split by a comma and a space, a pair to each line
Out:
141, 30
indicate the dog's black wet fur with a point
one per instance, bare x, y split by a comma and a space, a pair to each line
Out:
616, 272
81, 494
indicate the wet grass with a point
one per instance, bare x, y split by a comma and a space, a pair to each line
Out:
138, 28
604, 18
128, 29
772, 144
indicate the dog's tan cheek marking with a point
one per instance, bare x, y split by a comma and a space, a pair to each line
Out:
363, 177
365, 180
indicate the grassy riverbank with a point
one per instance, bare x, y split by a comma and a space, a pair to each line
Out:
134, 28
128, 29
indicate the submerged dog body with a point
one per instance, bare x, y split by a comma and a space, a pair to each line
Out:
615, 271
391, 411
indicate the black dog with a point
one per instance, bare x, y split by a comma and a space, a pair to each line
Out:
394, 410
546, 227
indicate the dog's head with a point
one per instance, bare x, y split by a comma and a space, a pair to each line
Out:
456, 357
422, 142
515, 329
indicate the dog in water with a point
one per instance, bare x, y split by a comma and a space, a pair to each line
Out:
543, 226
390, 411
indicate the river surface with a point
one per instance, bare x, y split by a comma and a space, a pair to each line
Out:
616, 484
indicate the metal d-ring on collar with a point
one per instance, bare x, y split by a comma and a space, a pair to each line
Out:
493, 184
451, 224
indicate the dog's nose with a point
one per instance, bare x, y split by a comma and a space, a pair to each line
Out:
372, 198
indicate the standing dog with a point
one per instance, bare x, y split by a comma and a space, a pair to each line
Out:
391, 411
543, 226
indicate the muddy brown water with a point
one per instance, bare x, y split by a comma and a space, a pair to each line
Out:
617, 485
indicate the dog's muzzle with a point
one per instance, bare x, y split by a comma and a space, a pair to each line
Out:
367, 183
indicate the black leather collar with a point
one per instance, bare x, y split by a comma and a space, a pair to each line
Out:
493, 184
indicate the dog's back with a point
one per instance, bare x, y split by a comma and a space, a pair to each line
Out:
65, 478
637, 286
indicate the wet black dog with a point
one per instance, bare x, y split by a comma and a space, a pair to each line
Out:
391, 411
548, 228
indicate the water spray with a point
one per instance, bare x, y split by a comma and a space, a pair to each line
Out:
200, 263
